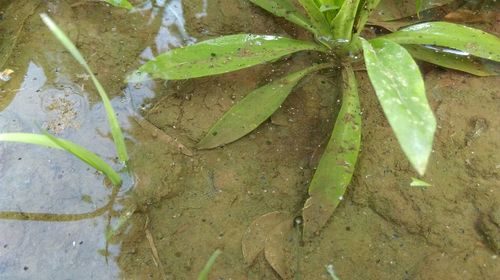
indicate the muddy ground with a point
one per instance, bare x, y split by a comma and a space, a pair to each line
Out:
187, 205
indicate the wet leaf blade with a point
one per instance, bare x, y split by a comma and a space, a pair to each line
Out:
343, 22
467, 64
285, 9
116, 131
221, 55
251, 111
336, 166
400, 90
317, 17
473, 41
80, 152
364, 11
120, 4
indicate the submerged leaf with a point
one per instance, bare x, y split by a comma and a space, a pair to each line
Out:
278, 250
336, 166
120, 4
452, 60
473, 41
253, 241
285, 9
77, 150
400, 89
116, 131
221, 55
253, 110
397, 9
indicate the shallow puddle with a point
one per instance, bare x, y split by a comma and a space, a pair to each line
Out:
60, 219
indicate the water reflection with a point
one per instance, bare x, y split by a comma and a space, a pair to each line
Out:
57, 215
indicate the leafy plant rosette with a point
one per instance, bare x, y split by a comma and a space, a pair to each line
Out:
336, 26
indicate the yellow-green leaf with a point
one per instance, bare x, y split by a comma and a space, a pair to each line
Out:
116, 131
77, 150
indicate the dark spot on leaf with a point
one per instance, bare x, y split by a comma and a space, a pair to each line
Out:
214, 133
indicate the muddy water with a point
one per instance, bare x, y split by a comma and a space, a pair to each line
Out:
178, 205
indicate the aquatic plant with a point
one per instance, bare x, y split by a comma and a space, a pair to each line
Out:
336, 26
49, 140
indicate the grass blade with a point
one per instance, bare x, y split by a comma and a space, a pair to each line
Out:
120, 4
336, 167
253, 110
285, 9
400, 89
80, 152
116, 131
220, 55
473, 41
208, 266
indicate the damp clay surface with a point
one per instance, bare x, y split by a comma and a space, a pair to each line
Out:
179, 204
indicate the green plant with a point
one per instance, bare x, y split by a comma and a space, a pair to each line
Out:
49, 140
336, 26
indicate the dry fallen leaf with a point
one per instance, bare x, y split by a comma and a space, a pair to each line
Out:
255, 236
280, 249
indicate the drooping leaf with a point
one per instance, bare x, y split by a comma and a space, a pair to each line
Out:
220, 55
473, 41
285, 9
208, 266
472, 65
336, 167
253, 110
120, 4
343, 22
317, 17
77, 150
116, 131
364, 11
400, 89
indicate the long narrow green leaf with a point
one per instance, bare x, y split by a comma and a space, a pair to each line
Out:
77, 150
343, 23
400, 89
120, 4
472, 65
450, 35
317, 18
116, 132
336, 166
208, 266
220, 55
253, 110
285, 9
364, 11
